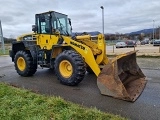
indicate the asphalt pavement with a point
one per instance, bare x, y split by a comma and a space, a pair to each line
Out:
147, 107
5, 61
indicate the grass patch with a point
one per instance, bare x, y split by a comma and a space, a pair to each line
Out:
19, 104
6, 52
7, 48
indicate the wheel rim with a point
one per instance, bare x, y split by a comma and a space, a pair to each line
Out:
21, 63
65, 68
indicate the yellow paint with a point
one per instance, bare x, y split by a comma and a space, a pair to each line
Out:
21, 64
19, 38
98, 48
65, 68
83, 37
47, 41
101, 58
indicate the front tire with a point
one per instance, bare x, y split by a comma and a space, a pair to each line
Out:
70, 68
89, 70
24, 64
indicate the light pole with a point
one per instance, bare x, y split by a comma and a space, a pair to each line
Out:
1, 37
102, 18
153, 32
159, 32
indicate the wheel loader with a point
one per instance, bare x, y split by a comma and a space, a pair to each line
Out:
71, 56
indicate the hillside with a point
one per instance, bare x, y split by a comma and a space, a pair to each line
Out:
145, 31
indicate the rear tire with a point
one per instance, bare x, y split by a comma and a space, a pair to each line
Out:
70, 67
24, 64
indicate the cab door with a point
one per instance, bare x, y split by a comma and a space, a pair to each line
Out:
45, 37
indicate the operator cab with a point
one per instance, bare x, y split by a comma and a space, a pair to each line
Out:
52, 23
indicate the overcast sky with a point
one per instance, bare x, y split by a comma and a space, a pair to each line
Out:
120, 16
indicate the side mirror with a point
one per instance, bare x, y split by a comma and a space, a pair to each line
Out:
69, 21
34, 28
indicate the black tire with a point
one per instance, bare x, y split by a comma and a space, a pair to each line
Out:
30, 67
77, 66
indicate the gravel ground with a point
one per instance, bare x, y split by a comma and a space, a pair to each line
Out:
142, 50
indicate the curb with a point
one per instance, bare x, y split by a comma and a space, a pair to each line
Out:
4, 55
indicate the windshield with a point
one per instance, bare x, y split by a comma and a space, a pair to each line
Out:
60, 22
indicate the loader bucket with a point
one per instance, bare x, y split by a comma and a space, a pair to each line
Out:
122, 78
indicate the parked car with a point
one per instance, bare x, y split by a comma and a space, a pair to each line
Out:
121, 45
138, 42
156, 43
143, 42
130, 43
151, 42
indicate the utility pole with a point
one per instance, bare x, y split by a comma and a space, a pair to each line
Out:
1, 38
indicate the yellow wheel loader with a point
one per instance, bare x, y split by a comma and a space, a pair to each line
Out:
71, 57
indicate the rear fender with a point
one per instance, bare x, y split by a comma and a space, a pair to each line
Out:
16, 46
20, 46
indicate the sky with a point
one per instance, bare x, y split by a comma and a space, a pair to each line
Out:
120, 16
